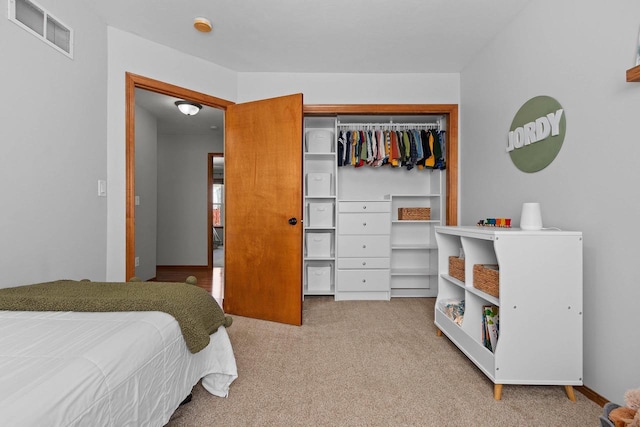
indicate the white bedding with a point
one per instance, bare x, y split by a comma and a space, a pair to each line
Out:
102, 369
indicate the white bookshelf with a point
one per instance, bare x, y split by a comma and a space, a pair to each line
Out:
540, 303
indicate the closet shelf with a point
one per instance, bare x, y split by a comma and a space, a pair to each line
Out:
413, 221
319, 197
413, 272
329, 156
409, 246
633, 74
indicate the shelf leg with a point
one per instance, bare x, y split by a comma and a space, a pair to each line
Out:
439, 333
497, 391
570, 394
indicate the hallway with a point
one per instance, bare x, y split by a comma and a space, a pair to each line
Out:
209, 279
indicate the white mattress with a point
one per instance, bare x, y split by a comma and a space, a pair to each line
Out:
102, 369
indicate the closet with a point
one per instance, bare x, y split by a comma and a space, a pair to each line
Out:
360, 172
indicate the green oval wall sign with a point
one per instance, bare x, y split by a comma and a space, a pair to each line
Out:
537, 133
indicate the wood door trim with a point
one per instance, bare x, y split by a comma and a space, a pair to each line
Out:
169, 89
210, 157
450, 110
376, 109
133, 81
210, 182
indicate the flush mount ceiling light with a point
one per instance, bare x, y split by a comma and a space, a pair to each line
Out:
202, 24
188, 108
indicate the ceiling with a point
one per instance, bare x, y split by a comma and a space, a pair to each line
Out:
171, 121
328, 36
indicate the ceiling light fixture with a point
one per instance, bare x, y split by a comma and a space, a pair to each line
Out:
188, 108
202, 24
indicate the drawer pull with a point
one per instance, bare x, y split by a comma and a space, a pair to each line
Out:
364, 207
364, 246
364, 280
364, 263
364, 224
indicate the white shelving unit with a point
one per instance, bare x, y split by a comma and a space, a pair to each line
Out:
320, 196
540, 303
414, 252
405, 264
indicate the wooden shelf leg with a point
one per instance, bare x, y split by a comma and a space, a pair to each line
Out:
439, 333
497, 391
570, 394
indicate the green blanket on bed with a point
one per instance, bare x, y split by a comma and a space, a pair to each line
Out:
197, 312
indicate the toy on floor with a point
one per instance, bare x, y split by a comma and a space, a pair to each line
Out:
627, 416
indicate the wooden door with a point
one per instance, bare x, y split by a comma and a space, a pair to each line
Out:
263, 186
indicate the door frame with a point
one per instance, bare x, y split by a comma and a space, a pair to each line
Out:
210, 182
133, 82
451, 150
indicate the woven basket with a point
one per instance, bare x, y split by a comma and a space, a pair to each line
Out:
414, 214
456, 268
486, 278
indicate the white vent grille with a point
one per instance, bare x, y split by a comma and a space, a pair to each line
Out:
39, 22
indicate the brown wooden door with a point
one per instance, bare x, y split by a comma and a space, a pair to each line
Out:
263, 187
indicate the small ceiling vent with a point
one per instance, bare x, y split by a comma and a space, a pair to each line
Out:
39, 22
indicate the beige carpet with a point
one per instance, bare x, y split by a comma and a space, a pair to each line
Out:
366, 363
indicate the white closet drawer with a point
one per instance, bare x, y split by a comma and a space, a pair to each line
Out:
369, 223
364, 263
364, 246
363, 280
364, 206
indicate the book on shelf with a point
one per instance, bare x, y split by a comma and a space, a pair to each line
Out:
453, 309
490, 326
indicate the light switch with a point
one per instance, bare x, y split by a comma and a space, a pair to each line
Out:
102, 188
137, 200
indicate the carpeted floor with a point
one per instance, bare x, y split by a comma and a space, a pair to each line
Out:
368, 363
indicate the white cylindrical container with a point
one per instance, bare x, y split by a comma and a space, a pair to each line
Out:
531, 218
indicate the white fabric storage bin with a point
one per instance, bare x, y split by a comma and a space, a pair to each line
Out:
319, 278
320, 215
318, 244
318, 184
319, 141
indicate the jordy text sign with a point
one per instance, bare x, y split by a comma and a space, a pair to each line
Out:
537, 133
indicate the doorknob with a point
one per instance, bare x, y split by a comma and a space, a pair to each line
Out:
293, 221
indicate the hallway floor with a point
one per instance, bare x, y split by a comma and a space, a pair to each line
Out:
209, 279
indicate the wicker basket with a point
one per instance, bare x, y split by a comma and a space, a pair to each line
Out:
456, 268
486, 278
414, 214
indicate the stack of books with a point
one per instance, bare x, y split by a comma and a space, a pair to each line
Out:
490, 326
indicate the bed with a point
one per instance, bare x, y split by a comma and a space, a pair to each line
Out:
108, 368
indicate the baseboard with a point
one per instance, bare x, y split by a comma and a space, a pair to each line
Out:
592, 395
182, 267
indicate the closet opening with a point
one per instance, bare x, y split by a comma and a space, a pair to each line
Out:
377, 183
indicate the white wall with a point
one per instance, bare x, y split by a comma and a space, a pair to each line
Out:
352, 88
130, 53
146, 155
53, 133
576, 52
182, 197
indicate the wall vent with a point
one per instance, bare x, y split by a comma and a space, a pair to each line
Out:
39, 22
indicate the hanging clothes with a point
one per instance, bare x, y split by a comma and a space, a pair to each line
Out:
440, 161
420, 146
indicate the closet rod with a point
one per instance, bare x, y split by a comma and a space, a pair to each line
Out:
388, 125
